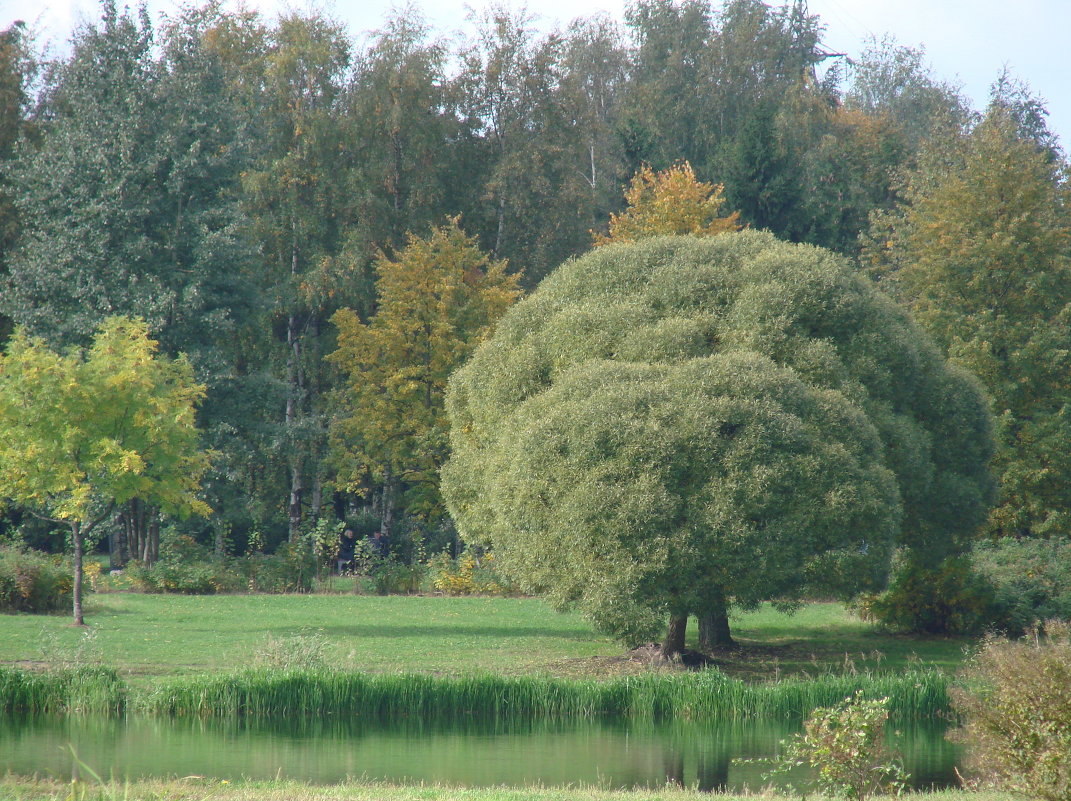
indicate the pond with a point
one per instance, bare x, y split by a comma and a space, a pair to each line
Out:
608, 754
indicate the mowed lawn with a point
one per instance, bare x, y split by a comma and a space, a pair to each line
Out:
155, 635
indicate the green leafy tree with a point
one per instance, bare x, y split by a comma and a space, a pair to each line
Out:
980, 250
17, 70
664, 119
595, 67
671, 426
894, 81
437, 300
533, 159
404, 110
89, 188
81, 432
298, 195
128, 203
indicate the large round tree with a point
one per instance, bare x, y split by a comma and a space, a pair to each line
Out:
675, 426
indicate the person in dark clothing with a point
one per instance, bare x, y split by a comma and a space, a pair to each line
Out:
347, 543
379, 543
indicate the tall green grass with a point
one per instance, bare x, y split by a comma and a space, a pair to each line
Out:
267, 693
89, 690
709, 695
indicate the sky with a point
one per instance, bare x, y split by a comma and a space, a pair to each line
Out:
967, 42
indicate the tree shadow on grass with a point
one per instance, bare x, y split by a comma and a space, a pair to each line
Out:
452, 629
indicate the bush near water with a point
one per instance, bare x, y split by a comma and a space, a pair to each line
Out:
1016, 707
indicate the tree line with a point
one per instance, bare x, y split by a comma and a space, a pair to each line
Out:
326, 228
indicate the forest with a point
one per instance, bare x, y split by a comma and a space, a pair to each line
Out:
317, 232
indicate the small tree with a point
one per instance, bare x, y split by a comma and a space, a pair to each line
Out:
844, 746
83, 431
669, 202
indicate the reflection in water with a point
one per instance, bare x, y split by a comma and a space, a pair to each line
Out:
613, 754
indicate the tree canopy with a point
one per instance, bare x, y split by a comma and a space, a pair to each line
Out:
980, 249
671, 201
682, 422
438, 299
83, 431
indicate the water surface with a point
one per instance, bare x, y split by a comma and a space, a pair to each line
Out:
609, 754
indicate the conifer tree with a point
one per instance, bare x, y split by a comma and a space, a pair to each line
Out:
980, 250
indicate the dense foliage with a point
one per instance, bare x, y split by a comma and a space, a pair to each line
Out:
980, 250
33, 582
437, 300
1030, 579
1016, 707
669, 425
946, 597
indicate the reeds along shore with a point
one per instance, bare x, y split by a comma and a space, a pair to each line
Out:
265, 693
75, 691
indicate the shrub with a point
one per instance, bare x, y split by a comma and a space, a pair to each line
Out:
949, 599
189, 568
1032, 580
845, 747
206, 577
1015, 702
391, 577
33, 582
292, 568
465, 575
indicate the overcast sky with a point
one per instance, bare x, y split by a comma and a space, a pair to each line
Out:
966, 41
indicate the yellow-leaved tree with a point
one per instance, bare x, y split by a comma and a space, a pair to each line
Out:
672, 201
83, 431
437, 300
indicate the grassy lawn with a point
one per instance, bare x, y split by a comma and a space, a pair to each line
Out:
153, 635
195, 789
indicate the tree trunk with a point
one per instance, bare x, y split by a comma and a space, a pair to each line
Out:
673, 645
294, 391
317, 501
76, 592
117, 548
389, 492
296, 489
154, 537
714, 626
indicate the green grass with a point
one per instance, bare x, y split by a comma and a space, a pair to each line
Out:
198, 789
150, 636
824, 637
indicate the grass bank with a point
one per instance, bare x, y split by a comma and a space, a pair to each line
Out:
149, 637
200, 789
320, 693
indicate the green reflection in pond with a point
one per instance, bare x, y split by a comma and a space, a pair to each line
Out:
610, 754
